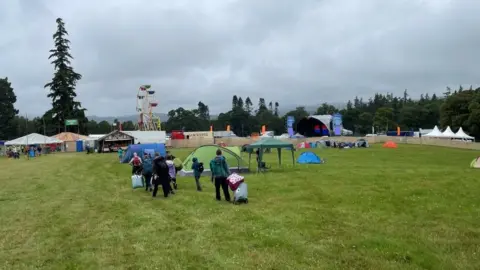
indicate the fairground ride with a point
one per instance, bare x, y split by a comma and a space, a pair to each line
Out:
146, 103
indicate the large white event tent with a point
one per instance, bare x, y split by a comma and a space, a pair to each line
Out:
33, 138
448, 133
434, 133
462, 135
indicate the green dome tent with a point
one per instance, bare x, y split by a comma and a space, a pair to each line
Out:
206, 153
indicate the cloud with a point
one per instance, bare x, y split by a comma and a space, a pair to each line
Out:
294, 52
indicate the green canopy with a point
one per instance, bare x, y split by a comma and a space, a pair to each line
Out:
269, 143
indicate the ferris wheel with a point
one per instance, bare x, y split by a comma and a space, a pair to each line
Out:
146, 103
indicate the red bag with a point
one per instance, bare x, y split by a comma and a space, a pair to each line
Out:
234, 180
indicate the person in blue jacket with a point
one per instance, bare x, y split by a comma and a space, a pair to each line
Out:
147, 171
197, 168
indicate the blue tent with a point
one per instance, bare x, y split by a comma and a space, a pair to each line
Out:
140, 149
308, 158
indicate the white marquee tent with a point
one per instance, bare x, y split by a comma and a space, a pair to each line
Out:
462, 135
33, 138
434, 133
448, 133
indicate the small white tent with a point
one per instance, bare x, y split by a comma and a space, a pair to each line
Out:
434, 133
33, 138
448, 133
462, 135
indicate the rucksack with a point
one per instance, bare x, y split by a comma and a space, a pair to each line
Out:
136, 161
200, 167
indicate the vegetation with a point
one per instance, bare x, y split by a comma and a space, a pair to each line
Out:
7, 110
78, 211
62, 86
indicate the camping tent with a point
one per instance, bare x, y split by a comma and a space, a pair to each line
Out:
448, 133
390, 144
33, 138
309, 158
475, 163
140, 149
462, 135
361, 143
206, 153
434, 133
270, 143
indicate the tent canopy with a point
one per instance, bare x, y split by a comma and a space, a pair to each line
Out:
140, 149
448, 133
462, 135
33, 138
270, 143
434, 133
70, 137
206, 153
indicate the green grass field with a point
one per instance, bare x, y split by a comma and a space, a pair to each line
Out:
408, 208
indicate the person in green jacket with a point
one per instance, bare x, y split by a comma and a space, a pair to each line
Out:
220, 172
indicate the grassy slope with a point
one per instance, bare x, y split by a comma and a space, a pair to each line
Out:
413, 207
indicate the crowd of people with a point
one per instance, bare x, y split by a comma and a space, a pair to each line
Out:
161, 171
15, 152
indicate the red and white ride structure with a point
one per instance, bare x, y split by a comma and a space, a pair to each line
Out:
146, 103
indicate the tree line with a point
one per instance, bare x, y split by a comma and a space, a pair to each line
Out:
382, 112
454, 108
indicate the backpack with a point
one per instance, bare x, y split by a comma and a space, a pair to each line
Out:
200, 167
136, 161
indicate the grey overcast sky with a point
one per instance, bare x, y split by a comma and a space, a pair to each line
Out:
302, 52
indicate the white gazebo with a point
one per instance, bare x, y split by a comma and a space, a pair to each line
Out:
33, 138
448, 133
434, 133
462, 135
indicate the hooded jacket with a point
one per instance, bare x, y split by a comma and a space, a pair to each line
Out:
171, 169
219, 167
195, 167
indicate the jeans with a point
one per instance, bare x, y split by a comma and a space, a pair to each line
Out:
221, 182
197, 181
148, 177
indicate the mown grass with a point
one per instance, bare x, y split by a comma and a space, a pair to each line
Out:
408, 208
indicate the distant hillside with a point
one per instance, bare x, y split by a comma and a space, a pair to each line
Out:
164, 116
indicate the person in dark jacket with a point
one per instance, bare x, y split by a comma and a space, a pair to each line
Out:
220, 172
162, 177
196, 172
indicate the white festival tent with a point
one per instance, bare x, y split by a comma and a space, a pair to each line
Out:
33, 138
461, 134
434, 133
448, 133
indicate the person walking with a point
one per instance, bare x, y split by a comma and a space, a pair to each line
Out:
162, 177
147, 171
197, 168
136, 163
220, 172
172, 172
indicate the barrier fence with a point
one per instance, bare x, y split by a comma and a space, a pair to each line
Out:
236, 141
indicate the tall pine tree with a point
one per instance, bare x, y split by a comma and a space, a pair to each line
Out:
64, 81
7, 110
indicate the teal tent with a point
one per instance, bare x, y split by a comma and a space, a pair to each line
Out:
268, 143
